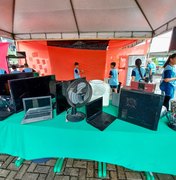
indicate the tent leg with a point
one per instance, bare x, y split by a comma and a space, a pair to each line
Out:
19, 162
101, 169
149, 176
104, 169
58, 165
100, 173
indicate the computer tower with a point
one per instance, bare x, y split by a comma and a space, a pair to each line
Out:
142, 86
140, 108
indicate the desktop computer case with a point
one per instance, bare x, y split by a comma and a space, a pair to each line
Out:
143, 86
140, 108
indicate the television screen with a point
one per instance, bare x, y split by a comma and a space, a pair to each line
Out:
4, 88
140, 108
31, 87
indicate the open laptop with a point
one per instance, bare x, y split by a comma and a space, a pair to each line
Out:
37, 109
96, 117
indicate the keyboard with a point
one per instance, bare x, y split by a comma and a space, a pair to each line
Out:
101, 121
36, 115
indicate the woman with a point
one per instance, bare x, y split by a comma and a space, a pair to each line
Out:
168, 83
138, 73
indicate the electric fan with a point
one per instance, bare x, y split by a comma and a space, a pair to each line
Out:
78, 94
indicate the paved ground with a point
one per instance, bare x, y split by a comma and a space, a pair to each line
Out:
72, 170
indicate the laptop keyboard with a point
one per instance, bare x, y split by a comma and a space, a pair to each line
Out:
101, 121
36, 115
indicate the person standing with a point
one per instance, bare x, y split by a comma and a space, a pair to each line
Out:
27, 68
151, 66
113, 75
138, 73
168, 82
2, 71
76, 71
14, 70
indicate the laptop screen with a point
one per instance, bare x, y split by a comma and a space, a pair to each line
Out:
37, 102
94, 107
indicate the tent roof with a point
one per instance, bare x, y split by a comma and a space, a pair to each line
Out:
85, 19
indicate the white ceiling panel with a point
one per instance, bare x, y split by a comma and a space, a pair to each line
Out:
37, 16
6, 15
113, 15
103, 4
158, 12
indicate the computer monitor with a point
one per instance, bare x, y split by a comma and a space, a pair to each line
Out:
61, 101
140, 108
4, 88
31, 87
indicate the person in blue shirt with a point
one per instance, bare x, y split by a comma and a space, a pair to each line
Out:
27, 69
14, 68
113, 75
76, 71
168, 82
2, 71
138, 73
151, 66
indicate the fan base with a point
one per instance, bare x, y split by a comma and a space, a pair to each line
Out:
79, 116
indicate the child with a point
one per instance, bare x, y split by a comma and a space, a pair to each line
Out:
76, 71
27, 68
15, 70
2, 71
113, 74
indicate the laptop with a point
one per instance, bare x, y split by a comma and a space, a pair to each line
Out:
96, 117
37, 109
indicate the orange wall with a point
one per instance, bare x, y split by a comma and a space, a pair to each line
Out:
92, 62
37, 55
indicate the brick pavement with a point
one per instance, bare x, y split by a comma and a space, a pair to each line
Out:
72, 170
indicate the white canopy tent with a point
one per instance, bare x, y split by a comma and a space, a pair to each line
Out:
85, 19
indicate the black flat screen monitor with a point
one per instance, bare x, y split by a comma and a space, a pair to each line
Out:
140, 108
4, 88
61, 101
31, 87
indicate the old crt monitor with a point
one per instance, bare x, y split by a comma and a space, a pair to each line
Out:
31, 87
140, 108
4, 78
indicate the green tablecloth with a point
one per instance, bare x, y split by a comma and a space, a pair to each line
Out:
121, 143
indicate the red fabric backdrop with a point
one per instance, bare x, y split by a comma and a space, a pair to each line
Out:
3, 54
92, 62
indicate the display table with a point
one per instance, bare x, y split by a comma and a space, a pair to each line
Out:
121, 143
